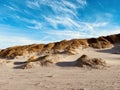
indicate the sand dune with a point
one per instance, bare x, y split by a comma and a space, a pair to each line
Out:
60, 47
61, 71
63, 75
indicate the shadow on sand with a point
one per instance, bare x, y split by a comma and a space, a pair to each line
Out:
66, 64
114, 50
19, 65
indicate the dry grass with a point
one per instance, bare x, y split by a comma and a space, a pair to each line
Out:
85, 61
46, 60
58, 47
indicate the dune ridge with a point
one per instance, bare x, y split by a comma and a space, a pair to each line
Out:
77, 64
60, 47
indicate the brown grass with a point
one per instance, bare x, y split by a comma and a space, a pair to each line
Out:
85, 61
58, 47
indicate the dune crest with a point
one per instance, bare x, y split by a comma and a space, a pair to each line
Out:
65, 46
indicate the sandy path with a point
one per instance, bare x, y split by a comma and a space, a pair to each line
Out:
64, 78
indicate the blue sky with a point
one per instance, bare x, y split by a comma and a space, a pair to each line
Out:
43, 21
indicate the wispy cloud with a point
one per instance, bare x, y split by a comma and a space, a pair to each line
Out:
82, 3
64, 10
100, 24
91, 26
107, 32
13, 37
59, 7
66, 15
36, 25
53, 21
10, 7
75, 25
32, 4
66, 33
57, 35
15, 40
67, 22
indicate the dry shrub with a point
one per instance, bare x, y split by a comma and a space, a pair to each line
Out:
5, 62
85, 61
48, 47
71, 51
113, 38
31, 65
46, 62
99, 43
31, 59
2, 62
40, 61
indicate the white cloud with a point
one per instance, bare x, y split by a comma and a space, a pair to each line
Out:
93, 26
59, 7
15, 40
57, 35
49, 35
36, 25
31, 4
66, 33
107, 32
13, 7
65, 21
74, 25
69, 4
10, 7
64, 10
82, 2
65, 14
99, 24
11, 36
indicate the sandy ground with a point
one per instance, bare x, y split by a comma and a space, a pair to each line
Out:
63, 76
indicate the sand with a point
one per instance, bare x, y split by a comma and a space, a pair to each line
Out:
63, 75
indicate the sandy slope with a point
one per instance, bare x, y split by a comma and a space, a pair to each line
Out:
64, 76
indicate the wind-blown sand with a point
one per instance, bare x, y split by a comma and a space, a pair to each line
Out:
64, 76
